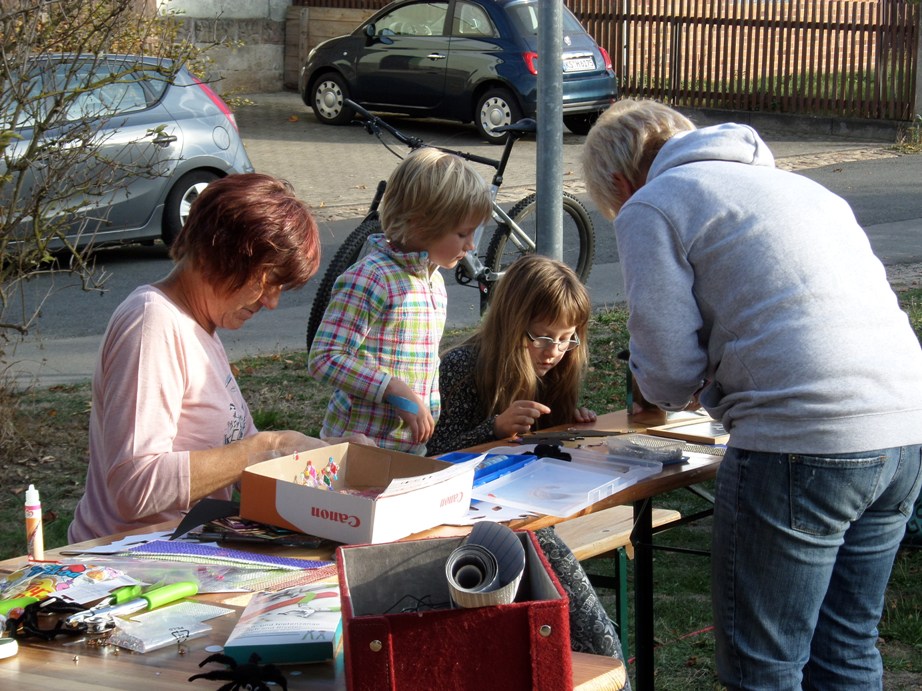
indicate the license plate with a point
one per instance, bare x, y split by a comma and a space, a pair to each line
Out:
580, 64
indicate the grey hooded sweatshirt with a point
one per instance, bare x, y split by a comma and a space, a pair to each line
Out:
760, 285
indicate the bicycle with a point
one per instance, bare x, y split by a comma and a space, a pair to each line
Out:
513, 236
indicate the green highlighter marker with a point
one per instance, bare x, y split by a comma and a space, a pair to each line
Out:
127, 603
129, 592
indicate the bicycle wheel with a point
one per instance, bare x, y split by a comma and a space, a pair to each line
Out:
578, 236
347, 255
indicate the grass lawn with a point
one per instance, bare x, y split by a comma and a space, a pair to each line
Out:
43, 440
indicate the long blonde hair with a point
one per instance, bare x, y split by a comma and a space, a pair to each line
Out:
534, 288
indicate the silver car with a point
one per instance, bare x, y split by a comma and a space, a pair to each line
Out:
137, 138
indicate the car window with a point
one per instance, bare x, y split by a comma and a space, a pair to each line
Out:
472, 20
128, 89
108, 100
418, 19
22, 108
525, 18
118, 91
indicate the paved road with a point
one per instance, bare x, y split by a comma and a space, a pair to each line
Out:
336, 168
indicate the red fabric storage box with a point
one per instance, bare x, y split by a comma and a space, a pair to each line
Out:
522, 646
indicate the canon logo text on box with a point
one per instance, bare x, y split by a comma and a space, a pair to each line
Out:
336, 517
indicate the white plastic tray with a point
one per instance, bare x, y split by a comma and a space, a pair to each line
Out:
561, 488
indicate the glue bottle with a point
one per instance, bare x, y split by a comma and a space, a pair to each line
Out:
34, 537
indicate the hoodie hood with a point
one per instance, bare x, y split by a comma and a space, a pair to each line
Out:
728, 142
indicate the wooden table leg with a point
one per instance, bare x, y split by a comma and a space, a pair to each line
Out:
642, 538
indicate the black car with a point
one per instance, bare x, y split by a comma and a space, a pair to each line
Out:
466, 60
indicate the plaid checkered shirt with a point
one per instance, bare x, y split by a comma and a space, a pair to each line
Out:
385, 319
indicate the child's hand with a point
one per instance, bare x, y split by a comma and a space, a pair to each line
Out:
585, 415
518, 418
411, 409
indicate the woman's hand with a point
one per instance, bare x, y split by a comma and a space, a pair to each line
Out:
214, 469
411, 409
585, 415
289, 442
518, 418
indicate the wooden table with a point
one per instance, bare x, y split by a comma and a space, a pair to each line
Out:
70, 663
66, 664
41, 665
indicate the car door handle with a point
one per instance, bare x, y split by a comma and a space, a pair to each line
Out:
436, 56
165, 139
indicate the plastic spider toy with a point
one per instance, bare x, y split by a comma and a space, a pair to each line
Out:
250, 675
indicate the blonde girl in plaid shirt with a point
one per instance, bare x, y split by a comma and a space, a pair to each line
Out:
379, 339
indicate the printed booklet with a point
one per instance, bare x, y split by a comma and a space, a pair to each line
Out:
294, 625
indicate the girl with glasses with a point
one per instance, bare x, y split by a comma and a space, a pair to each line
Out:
523, 367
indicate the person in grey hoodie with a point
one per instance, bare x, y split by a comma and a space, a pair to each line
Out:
754, 292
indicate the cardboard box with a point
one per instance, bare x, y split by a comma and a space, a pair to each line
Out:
417, 493
522, 646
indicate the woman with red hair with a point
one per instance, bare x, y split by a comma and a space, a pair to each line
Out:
169, 425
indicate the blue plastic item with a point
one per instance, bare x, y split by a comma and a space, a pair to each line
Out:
493, 466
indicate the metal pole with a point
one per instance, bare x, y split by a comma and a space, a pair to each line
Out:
917, 105
549, 192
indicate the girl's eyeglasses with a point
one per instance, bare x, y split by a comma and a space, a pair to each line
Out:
545, 342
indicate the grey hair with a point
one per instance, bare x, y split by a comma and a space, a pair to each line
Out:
624, 140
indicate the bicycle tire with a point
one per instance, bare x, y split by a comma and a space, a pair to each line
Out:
578, 236
348, 253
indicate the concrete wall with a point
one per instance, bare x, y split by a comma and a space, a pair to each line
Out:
255, 31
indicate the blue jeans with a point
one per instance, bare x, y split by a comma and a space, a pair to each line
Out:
801, 556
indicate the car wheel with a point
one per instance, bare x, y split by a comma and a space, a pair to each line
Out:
328, 100
179, 200
495, 108
580, 123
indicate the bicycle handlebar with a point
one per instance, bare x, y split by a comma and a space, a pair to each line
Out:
373, 122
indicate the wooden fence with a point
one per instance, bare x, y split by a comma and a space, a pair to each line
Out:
849, 58
822, 57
